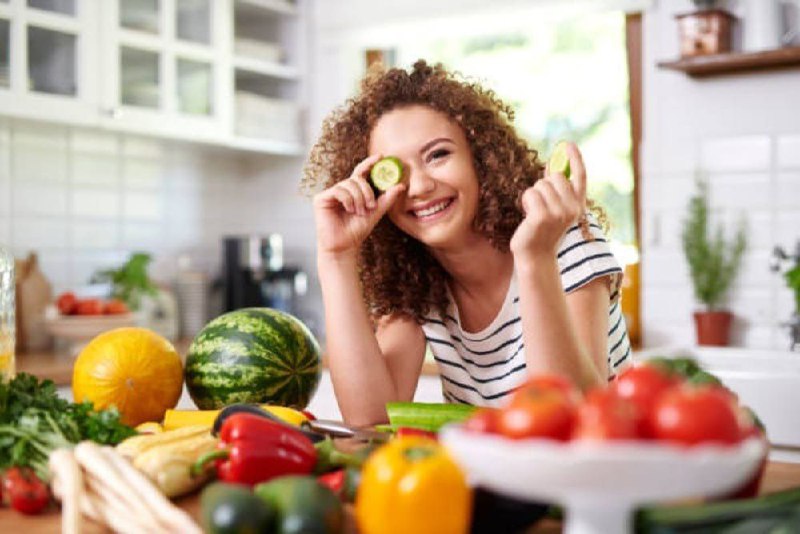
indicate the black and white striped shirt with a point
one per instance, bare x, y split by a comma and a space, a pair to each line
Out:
483, 368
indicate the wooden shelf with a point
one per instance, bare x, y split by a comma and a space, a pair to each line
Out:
735, 62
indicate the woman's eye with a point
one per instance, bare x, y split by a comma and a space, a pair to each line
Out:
437, 154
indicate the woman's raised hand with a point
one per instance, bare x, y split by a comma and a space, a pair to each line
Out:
346, 212
551, 205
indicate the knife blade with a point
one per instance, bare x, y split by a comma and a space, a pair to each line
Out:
339, 429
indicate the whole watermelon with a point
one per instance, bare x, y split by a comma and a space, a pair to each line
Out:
254, 355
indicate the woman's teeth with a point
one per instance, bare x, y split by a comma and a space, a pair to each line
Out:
433, 209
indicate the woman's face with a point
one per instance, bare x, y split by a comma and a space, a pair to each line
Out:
441, 198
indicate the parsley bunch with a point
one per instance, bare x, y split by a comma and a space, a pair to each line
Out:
34, 421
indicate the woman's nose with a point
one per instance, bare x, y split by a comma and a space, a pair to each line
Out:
420, 183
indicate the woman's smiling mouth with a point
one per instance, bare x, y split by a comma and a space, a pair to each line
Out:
432, 209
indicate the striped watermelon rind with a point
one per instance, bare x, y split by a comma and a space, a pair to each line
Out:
254, 355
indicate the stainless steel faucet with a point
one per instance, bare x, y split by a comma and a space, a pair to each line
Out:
780, 256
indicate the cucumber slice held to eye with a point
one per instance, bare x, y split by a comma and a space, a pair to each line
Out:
559, 159
386, 172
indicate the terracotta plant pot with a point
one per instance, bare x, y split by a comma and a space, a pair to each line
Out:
713, 327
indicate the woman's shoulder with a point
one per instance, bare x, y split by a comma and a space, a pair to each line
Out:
585, 254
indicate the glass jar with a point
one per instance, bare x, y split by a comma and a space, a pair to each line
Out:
7, 315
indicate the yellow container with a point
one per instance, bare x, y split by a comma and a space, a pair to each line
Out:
7, 315
7, 365
180, 418
631, 296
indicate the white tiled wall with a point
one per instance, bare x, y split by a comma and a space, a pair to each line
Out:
84, 199
741, 132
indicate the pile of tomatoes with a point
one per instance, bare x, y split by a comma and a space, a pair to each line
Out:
69, 304
645, 402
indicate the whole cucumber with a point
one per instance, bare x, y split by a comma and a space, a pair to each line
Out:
303, 505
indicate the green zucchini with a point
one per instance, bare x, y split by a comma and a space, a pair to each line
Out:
233, 509
426, 416
303, 505
717, 517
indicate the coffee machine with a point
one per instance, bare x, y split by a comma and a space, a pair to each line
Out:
254, 274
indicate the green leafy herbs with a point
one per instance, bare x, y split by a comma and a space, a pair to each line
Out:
713, 260
130, 282
34, 420
792, 277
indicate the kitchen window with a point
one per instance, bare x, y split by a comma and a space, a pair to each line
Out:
566, 76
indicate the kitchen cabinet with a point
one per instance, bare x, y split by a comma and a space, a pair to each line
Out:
221, 72
47, 67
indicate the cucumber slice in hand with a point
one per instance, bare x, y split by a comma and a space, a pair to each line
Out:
386, 173
559, 159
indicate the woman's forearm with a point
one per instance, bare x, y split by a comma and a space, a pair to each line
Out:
361, 378
552, 344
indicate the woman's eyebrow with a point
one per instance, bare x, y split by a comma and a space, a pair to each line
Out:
432, 142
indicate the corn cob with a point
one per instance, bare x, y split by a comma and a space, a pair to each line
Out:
136, 445
169, 465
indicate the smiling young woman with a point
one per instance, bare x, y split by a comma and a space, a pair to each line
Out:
478, 252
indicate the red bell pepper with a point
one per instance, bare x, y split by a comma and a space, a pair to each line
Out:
334, 481
253, 449
25, 491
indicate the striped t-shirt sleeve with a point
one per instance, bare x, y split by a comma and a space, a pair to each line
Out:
580, 260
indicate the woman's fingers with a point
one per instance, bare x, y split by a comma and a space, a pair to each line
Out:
555, 205
577, 172
362, 169
388, 198
366, 191
572, 205
358, 196
345, 198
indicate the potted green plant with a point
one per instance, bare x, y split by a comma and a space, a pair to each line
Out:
130, 282
792, 277
714, 263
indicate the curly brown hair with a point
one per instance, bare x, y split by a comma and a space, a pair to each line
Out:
398, 274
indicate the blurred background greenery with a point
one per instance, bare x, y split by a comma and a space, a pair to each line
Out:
566, 78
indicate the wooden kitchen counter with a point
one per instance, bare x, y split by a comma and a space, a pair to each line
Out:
779, 476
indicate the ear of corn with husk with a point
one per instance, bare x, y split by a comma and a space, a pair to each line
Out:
167, 458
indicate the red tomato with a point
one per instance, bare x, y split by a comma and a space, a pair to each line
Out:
66, 303
550, 382
696, 414
483, 421
605, 416
114, 307
24, 491
642, 385
89, 307
543, 408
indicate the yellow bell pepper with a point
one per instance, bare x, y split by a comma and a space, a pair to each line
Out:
180, 418
411, 484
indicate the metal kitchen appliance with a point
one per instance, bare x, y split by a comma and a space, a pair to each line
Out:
254, 274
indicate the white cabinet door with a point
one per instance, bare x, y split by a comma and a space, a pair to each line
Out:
164, 66
48, 60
